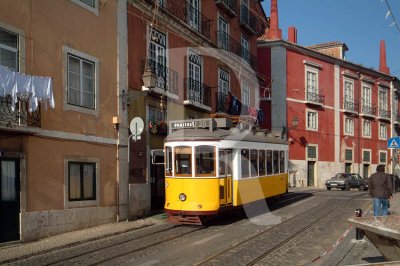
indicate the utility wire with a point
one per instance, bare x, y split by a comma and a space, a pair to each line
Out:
392, 15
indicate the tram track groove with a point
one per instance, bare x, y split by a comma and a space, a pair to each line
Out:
320, 213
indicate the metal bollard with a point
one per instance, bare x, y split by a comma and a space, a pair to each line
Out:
359, 232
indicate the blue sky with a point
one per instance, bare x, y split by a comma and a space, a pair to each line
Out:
360, 24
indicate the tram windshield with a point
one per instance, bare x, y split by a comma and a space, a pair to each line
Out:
205, 160
183, 160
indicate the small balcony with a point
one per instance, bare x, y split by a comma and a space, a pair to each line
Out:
315, 98
396, 119
187, 13
383, 114
248, 57
222, 103
20, 116
229, 6
368, 111
197, 94
248, 21
350, 107
167, 79
226, 42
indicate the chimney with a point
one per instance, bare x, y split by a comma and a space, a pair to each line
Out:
382, 59
274, 31
292, 34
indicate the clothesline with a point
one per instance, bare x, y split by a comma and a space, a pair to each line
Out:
35, 88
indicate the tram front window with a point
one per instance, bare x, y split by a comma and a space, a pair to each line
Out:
205, 160
183, 160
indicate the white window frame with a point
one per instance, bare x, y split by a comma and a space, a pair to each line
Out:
348, 125
315, 71
21, 44
370, 156
349, 96
383, 103
84, 203
224, 45
366, 131
245, 94
352, 155
386, 156
223, 85
383, 129
366, 91
245, 44
316, 152
69, 51
314, 125
94, 10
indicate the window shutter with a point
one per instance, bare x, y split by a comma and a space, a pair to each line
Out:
366, 156
348, 155
312, 152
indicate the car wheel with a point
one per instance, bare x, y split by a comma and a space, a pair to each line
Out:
361, 188
343, 188
347, 187
328, 188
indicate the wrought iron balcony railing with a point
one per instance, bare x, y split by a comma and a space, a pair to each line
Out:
188, 14
248, 57
230, 6
383, 113
167, 79
350, 106
197, 92
222, 100
21, 115
315, 97
226, 42
367, 110
248, 20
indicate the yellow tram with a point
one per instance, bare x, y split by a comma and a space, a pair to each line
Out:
210, 167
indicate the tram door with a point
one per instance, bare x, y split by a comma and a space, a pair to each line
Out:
9, 200
225, 177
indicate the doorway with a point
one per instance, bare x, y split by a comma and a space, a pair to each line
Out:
157, 182
365, 170
310, 173
9, 199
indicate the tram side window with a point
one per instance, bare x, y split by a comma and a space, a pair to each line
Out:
168, 161
282, 161
205, 160
276, 162
269, 162
183, 160
254, 162
222, 164
244, 159
261, 162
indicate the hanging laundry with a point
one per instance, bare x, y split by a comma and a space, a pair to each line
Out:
7, 78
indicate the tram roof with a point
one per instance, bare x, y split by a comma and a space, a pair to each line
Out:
222, 134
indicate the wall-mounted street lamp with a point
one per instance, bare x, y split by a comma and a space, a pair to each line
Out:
149, 78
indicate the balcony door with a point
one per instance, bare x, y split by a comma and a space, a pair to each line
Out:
157, 57
195, 91
194, 14
9, 200
223, 33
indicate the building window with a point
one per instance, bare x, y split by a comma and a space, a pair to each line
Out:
349, 95
366, 156
223, 34
81, 82
348, 126
245, 49
383, 102
9, 49
311, 84
312, 120
157, 57
366, 128
223, 81
90, 5
348, 155
311, 152
193, 11
382, 157
382, 131
81, 181
245, 94
366, 100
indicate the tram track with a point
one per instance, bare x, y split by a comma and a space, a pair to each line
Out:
259, 246
80, 253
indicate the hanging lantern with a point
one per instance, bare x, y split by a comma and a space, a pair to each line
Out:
149, 78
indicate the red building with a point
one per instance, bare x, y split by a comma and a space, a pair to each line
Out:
337, 115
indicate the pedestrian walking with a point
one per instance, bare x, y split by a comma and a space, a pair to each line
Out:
380, 188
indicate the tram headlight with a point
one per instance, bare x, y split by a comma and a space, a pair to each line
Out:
182, 196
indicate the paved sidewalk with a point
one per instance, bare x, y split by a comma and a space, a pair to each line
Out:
17, 250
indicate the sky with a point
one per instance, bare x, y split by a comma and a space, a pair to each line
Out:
360, 24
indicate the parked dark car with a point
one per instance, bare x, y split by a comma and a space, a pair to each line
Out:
345, 181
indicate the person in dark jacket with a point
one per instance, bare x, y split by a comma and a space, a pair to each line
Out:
380, 188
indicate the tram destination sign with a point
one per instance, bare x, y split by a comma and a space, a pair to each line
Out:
192, 124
